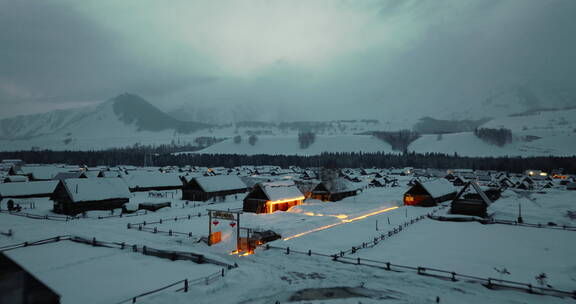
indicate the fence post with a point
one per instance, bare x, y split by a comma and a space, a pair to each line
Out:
358, 261
134, 300
93, 241
170, 232
122, 245
387, 265
309, 252
186, 285
287, 250
128, 226
144, 249
453, 276
222, 272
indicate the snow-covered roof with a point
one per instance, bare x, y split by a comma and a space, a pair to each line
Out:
27, 188
66, 175
220, 183
281, 190
16, 178
145, 179
42, 172
438, 187
95, 189
111, 174
481, 193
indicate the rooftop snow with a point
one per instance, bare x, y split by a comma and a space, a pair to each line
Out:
95, 189
280, 190
220, 183
27, 188
438, 187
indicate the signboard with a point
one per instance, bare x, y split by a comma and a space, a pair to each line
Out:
223, 215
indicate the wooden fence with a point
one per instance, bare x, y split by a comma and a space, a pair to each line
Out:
183, 284
166, 254
377, 239
62, 218
503, 222
432, 272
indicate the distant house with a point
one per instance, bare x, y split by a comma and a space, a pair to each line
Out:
378, 182
37, 173
139, 181
110, 174
429, 193
27, 189
73, 196
209, 187
475, 203
333, 191
67, 175
18, 286
273, 196
458, 181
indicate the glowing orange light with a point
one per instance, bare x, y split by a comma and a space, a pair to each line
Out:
269, 204
344, 221
240, 253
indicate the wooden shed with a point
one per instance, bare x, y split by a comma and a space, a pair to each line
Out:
273, 196
333, 191
141, 181
73, 196
211, 187
474, 203
18, 286
429, 193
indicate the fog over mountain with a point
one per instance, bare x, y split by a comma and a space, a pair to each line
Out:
289, 60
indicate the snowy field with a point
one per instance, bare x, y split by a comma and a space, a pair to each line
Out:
81, 273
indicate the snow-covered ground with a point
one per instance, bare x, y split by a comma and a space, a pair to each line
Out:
271, 275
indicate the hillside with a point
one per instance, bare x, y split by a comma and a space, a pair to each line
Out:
289, 145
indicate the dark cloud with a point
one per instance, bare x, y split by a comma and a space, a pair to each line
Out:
289, 60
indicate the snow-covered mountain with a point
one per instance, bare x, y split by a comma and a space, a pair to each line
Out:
119, 122
128, 120
513, 100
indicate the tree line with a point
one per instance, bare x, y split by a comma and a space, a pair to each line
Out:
140, 157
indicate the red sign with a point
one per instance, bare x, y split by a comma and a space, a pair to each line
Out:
215, 223
232, 224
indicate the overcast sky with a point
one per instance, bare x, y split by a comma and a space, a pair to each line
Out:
288, 60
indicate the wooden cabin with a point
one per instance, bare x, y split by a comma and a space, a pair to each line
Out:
212, 187
141, 181
475, 203
458, 181
18, 286
74, 196
27, 189
429, 193
273, 196
333, 191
